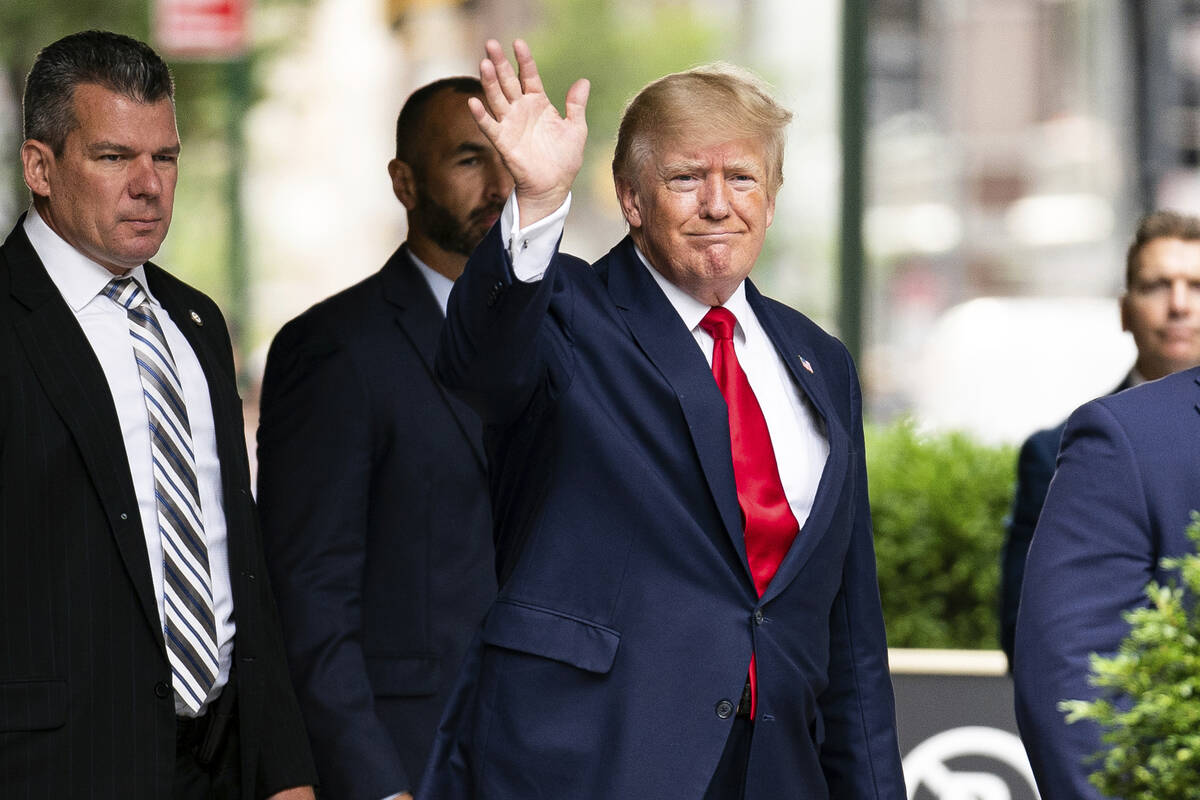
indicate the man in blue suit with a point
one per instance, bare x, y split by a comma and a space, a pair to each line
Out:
1161, 311
1128, 478
372, 479
688, 606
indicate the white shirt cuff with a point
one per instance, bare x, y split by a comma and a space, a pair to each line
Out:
532, 248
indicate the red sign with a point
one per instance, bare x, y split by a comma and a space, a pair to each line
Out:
216, 29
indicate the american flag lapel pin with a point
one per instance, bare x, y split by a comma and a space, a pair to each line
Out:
804, 362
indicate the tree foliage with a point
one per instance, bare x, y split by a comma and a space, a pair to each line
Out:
1149, 708
938, 503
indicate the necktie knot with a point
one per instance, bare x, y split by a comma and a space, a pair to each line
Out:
718, 323
125, 292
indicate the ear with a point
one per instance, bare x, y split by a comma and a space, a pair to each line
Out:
1125, 312
37, 163
770, 209
631, 206
404, 183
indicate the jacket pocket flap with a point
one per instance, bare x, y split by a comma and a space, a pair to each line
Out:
549, 634
32, 704
404, 676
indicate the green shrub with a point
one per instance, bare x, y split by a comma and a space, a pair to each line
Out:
938, 502
1153, 735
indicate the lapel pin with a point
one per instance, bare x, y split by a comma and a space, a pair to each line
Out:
805, 363
196, 319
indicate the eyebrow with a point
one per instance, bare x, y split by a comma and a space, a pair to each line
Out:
690, 165
683, 164
468, 147
113, 147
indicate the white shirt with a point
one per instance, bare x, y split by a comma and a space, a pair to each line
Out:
439, 284
797, 433
80, 281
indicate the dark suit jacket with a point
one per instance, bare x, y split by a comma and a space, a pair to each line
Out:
86, 708
1128, 477
1035, 468
611, 662
374, 501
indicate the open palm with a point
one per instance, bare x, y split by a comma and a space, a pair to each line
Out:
542, 149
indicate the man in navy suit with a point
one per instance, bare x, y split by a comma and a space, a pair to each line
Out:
1128, 478
1161, 311
372, 480
688, 605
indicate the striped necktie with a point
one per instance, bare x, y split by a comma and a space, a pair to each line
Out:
188, 620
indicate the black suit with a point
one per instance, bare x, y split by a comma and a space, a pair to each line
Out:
86, 707
373, 490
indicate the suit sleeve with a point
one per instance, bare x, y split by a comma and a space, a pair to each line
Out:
315, 454
493, 353
1035, 468
1091, 558
860, 755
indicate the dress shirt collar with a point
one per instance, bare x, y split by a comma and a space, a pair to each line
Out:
77, 277
691, 310
439, 284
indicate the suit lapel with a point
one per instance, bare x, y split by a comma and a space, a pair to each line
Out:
64, 363
795, 353
420, 319
661, 335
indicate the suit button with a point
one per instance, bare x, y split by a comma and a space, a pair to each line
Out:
724, 709
494, 295
758, 616
162, 690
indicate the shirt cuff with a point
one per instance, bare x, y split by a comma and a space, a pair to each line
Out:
532, 248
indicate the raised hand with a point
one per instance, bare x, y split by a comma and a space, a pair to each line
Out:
542, 150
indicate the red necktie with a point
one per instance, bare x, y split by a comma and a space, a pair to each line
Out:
770, 525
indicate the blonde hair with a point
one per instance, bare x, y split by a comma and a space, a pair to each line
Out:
715, 98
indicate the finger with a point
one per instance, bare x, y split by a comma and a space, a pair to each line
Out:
487, 125
491, 88
509, 84
531, 82
577, 97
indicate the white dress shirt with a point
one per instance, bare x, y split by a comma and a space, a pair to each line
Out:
797, 433
439, 284
105, 324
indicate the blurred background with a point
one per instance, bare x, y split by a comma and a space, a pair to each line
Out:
962, 175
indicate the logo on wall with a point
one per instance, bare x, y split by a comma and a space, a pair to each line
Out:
969, 763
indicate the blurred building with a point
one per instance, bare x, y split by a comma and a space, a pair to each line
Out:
1012, 146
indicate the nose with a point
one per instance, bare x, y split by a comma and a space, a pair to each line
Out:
144, 180
1181, 296
499, 181
714, 198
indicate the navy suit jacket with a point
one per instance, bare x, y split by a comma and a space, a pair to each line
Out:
1035, 468
373, 492
1128, 478
86, 707
610, 664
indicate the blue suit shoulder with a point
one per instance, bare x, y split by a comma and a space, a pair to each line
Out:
1180, 387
